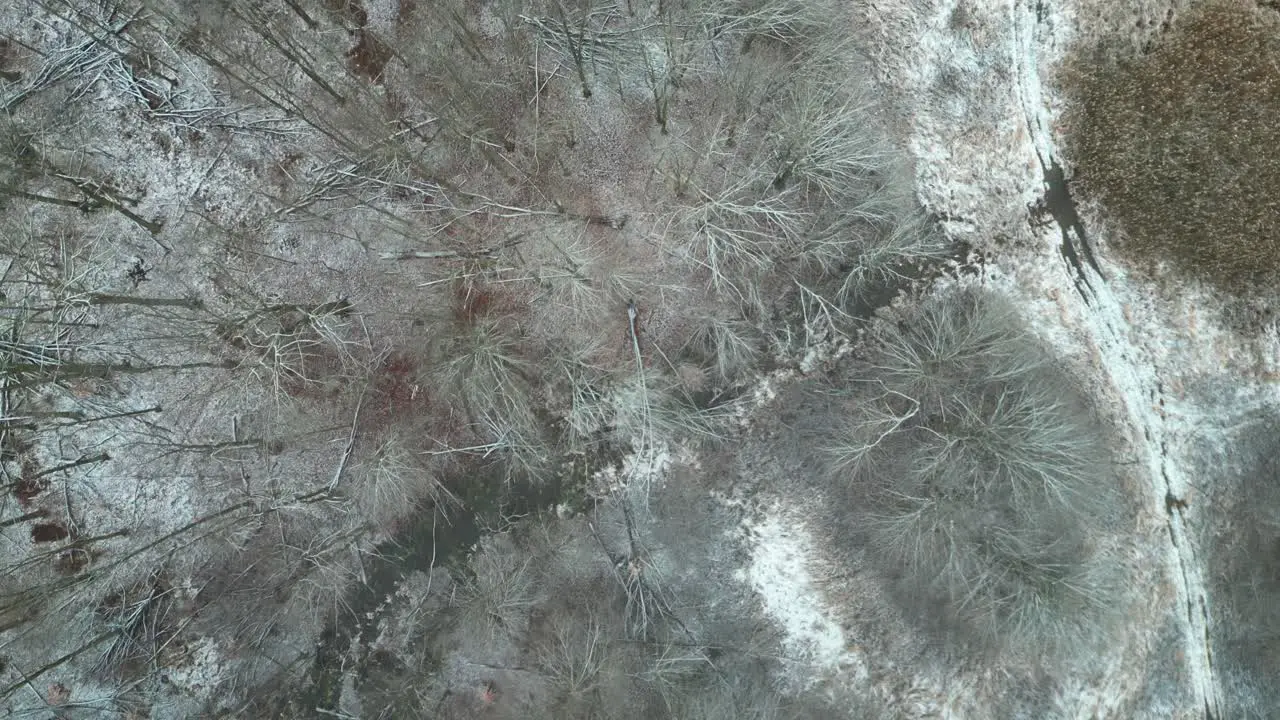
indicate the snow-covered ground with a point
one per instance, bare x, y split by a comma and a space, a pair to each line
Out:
779, 572
974, 91
971, 85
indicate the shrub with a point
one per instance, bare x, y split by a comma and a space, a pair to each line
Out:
394, 481
726, 346
977, 479
583, 278
499, 592
1244, 549
737, 233
574, 656
293, 348
795, 25
890, 253
1176, 143
580, 386
485, 371
821, 145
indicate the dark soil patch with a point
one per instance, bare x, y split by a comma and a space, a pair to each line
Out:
395, 394
49, 532
369, 56
26, 491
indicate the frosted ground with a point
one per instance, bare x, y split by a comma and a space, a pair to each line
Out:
310, 476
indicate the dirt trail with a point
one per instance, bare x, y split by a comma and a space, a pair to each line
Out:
1133, 370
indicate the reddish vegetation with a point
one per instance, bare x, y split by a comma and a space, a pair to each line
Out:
29, 485
369, 56
474, 302
406, 10
58, 694
26, 491
49, 532
395, 392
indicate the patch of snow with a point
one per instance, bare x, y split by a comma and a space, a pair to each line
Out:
647, 464
205, 670
349, 699
382, 14
780, 573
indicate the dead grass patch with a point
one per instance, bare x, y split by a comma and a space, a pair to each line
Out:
1177, 144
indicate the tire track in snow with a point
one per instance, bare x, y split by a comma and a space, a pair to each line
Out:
1132, 371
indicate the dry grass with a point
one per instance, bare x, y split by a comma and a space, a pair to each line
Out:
1177, 144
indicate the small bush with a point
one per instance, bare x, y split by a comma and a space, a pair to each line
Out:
486, 368
485, 371
794, 25
394, 481
574, 657
499, 593
978, 479
890, 253
1178, 143
582, 279
293, 348
726, 346
737, 233
820, 144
